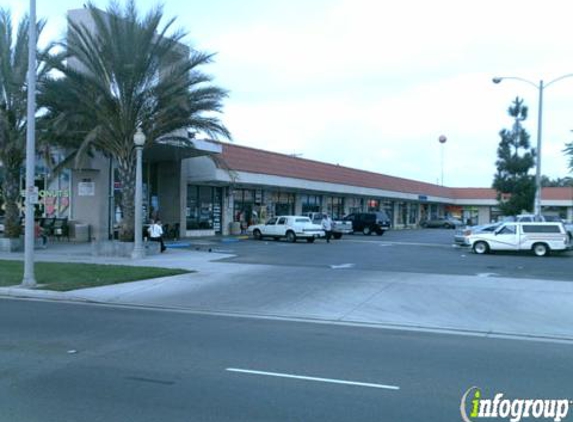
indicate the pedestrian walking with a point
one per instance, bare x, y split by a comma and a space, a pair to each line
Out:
156, 234
39, 233
326, 224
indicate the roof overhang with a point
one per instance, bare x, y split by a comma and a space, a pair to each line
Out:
177, 150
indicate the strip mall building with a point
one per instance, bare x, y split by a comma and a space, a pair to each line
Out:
203, 187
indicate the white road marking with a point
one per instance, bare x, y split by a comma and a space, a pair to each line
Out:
487, 274
336, 267
305, 378
393, 243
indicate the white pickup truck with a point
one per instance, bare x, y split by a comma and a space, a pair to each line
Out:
541, 238
292, 227
339, 227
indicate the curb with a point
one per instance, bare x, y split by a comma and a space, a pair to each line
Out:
46, 295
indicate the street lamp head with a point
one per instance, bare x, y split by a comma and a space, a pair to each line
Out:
496, 80
139, 138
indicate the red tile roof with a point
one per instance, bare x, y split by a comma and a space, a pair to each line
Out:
557, 193
474, 193
252, 160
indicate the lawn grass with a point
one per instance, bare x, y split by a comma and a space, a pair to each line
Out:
63, 277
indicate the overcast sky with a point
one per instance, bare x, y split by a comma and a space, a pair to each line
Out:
373, 84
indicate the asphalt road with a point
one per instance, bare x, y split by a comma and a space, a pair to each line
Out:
64, 362
415, 251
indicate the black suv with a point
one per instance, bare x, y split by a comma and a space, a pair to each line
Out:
368, 222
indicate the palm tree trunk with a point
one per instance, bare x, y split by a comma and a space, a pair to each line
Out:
126, 169
11, 192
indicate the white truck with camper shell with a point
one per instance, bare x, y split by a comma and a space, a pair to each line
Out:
539, 237
339, 227
291, 227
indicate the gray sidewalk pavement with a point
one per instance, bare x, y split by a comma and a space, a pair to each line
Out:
486, 305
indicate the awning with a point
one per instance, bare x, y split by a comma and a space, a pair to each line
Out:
177, 150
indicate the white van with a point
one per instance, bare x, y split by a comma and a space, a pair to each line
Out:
541, 238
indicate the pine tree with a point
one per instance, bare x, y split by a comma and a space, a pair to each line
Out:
515, 158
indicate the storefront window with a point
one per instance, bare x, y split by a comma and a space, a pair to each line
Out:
335, 206
373, 205
311, 203
413, 213
470, 216
402, 213
203, 208
558, 212
284, 203
388, 206
244, 207
355, 204
434, 211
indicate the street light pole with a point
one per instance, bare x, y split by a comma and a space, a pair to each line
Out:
442, 139
537, 202
540, 87
139, 141
29, 280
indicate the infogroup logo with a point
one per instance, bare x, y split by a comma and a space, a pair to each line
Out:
473, 407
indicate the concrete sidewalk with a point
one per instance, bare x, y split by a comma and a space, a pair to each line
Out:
486, 305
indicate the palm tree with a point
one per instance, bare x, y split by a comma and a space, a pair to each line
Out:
569, 152
13, 112
124, 74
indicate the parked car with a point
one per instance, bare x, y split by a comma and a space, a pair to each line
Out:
290, 227
462, 233
540, 238
369, 222
339, 227
441, 222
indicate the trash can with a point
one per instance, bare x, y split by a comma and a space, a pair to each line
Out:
235, 228
82, 232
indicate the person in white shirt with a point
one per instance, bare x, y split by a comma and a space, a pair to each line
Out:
156, 233
326, 224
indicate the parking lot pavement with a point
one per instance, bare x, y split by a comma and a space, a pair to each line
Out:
429, 251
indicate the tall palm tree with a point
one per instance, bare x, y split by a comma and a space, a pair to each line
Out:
569, 153
13, 111
123, 73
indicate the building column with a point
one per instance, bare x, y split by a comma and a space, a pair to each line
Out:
227, 214
297, 204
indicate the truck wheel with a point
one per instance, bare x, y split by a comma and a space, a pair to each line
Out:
257, 235
310, 239
481, 248
337, 235
291, 237
540, 249
379, 232
367, 231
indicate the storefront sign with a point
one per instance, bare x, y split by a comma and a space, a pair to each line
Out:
86, 189
47, 193
33, 192
217, 217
